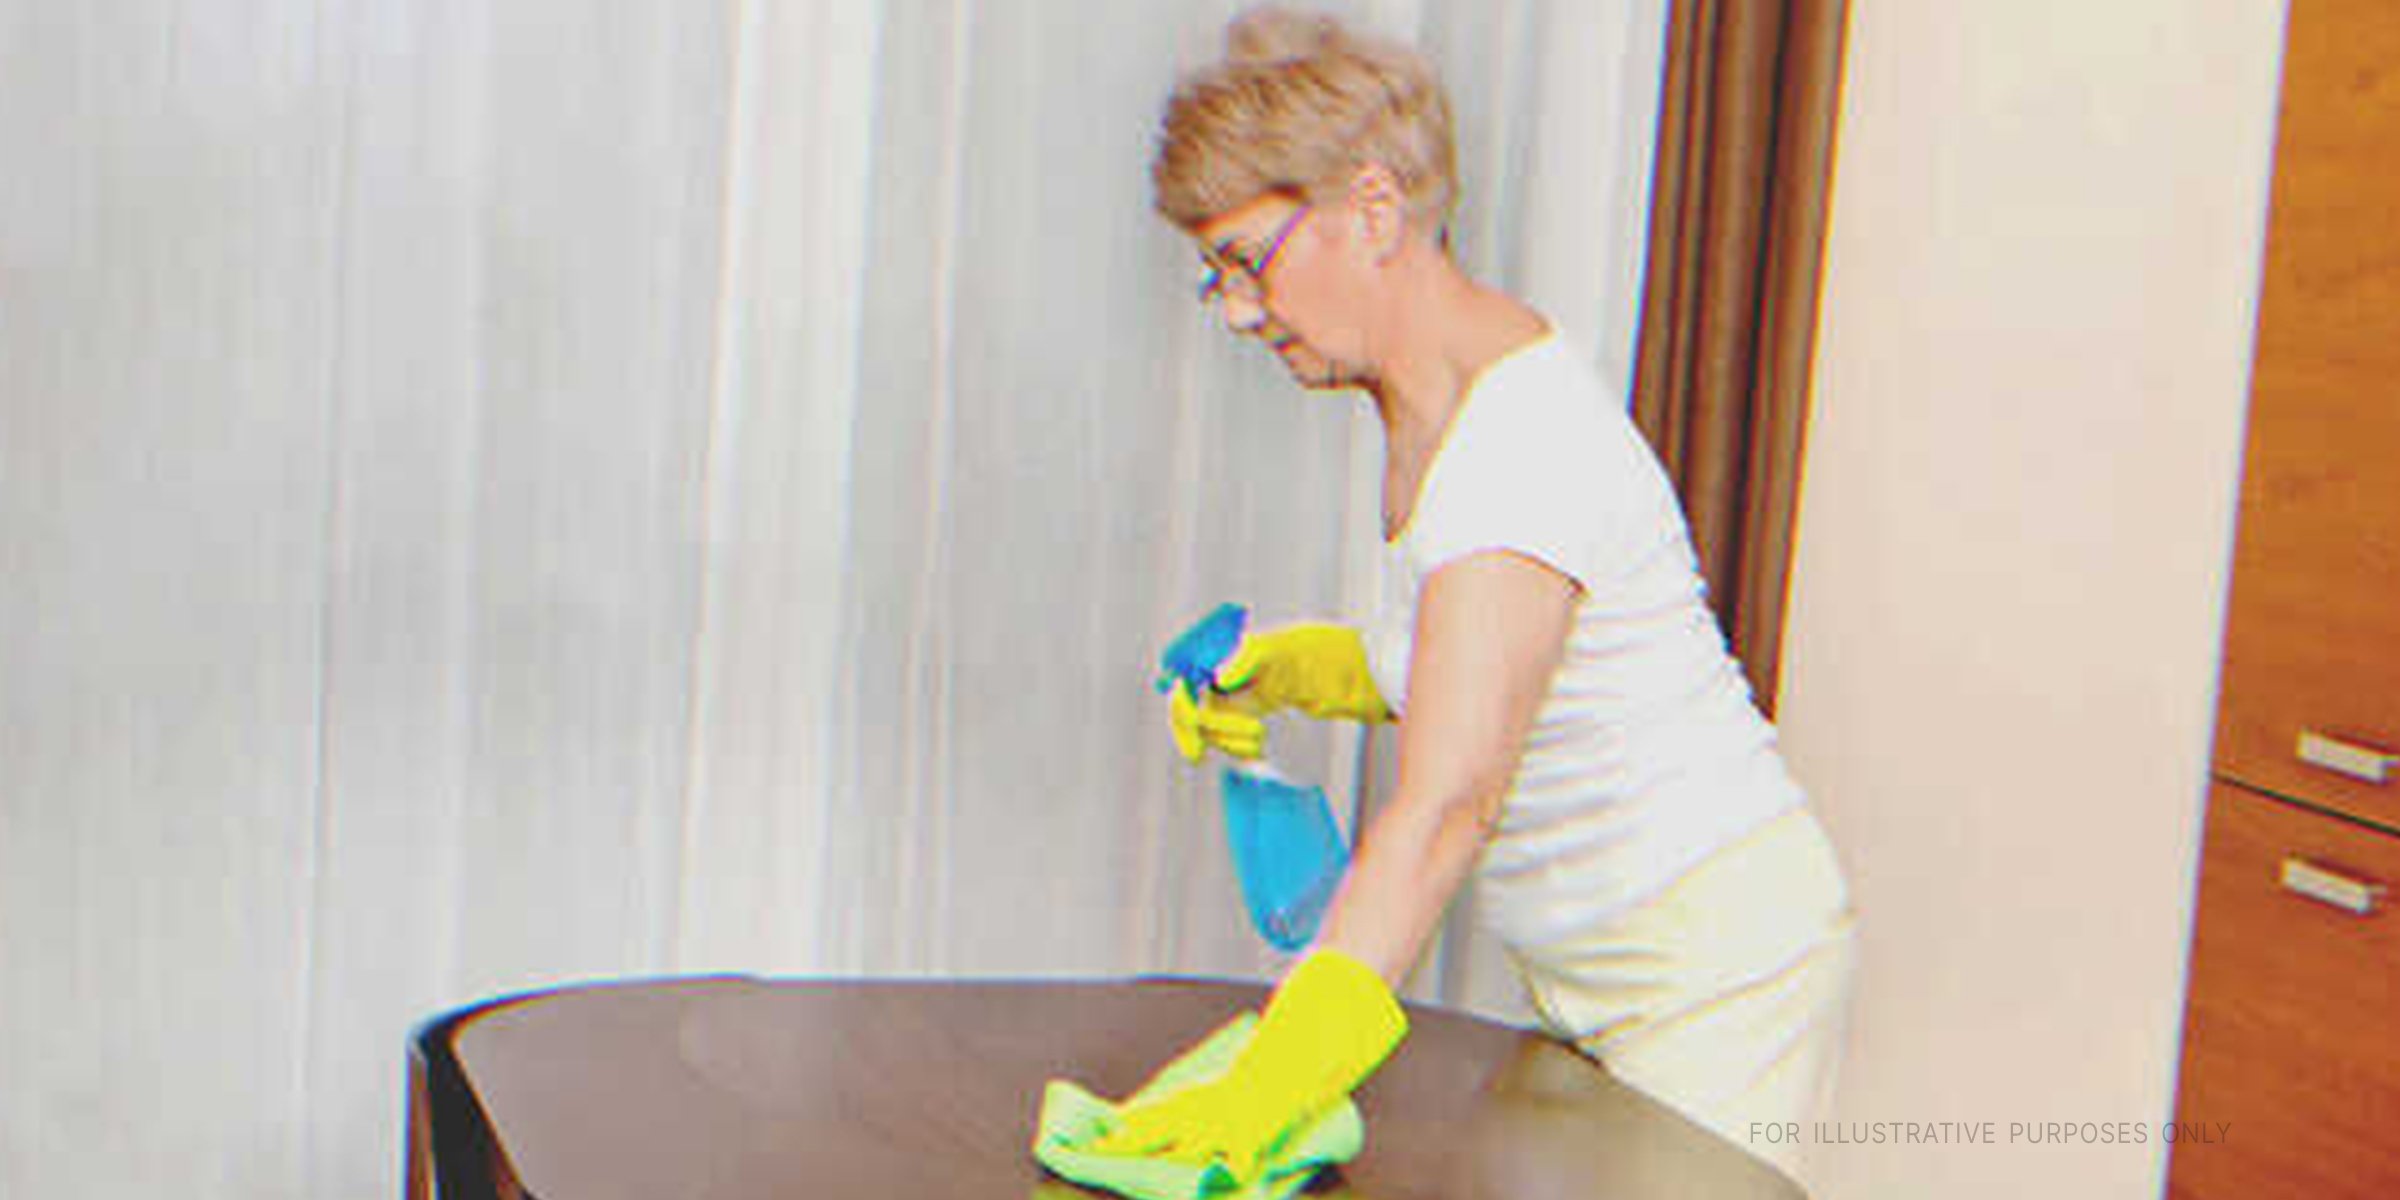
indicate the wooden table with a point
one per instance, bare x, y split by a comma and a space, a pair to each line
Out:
734, 1087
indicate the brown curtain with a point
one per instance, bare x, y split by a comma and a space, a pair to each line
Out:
1729, 305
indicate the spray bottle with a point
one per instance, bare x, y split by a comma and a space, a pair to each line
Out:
1287, 849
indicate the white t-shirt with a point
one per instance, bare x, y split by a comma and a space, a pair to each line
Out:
1647, 754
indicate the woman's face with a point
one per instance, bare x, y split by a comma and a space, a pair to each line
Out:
1277, 273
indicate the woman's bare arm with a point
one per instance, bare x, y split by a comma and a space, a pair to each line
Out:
1491, 628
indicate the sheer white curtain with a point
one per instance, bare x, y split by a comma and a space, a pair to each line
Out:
494, 496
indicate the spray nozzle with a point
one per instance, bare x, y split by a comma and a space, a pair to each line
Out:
1195, 656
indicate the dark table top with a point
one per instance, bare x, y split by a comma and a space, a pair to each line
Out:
928, 1090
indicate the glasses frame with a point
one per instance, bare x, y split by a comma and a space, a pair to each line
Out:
1218, 272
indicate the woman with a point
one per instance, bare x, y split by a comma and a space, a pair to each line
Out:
1571, 727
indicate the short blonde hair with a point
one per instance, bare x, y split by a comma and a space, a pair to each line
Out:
1297, 105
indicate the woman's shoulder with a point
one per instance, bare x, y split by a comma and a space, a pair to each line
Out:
1546, 397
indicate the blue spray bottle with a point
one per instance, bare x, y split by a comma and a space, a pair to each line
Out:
1287, 848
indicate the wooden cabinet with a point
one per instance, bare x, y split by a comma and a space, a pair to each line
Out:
2312, 642
2291, 1071
2291, 1047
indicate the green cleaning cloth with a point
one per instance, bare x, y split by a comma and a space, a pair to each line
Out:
1072, 1117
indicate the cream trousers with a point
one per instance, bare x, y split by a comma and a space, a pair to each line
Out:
1726, 996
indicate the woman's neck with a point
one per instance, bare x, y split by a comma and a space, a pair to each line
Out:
1442, 330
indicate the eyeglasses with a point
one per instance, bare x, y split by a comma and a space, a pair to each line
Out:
1231, 276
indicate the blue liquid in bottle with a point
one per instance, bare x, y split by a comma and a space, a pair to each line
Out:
1287, 849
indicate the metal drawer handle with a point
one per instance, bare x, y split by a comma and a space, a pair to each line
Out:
2347, 758
2346, 892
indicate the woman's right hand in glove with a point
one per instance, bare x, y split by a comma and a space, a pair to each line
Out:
1317, 669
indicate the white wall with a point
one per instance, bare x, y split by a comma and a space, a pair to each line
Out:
2013, 544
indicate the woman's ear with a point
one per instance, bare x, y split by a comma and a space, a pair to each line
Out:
1379, 210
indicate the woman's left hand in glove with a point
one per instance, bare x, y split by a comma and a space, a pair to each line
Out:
1329, 1025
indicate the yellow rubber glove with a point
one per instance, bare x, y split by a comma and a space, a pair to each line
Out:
1330, 1024
1318, 669
1226, 722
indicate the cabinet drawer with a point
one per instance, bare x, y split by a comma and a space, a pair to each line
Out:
2291, 1042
